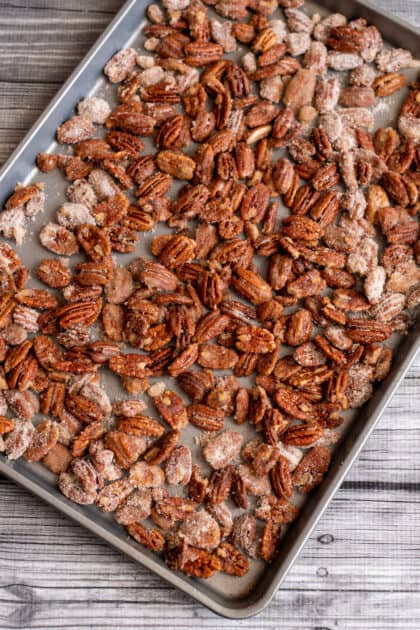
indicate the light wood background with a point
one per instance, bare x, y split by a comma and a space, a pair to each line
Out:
361, 568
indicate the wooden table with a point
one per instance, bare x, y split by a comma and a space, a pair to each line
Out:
361, 568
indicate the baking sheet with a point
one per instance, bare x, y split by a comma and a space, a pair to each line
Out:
232, 597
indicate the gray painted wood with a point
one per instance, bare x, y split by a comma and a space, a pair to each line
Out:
361, 568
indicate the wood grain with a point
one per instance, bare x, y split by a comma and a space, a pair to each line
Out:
361, 568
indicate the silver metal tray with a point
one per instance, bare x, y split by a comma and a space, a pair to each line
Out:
236, 598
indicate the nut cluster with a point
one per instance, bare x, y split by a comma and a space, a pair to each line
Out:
301, 304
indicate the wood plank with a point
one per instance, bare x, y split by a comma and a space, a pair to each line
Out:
337, 610
335, 575
58, 37
51, 7
358, 526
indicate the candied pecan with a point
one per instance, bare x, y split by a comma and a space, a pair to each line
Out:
162, 448
6, 425
254, 203
210, 326
239, 491
274, 424
103, 460
112, 495
330, 352
300, 89
346, 38
173, 251
200, 54
141, 425
388, 84
53, 273
368, 330
128, 408
46, 162
143, 475
220, 482
72, 488
303, 435
325, 177
74, 130
126, 448
17, 355
258, 404
232, 561
201, 564
113, 321
129, 365
93, 431
253, 339
168, 510
75, 169
251, 286
205, 417
22, 376
170, 406
246, 364
58, 239
310, 283
197, 486
275, 510
83, 408
176, 164
196, 383
150, 538
122, 239
402, 190
301, 228
110, 211
295, 404
281, 479
42, 441
58, 459
299, 328
135, 508
178, 466
393, 59
79, 313
184, 360
389, 306
141, 219
18, 440
311, 469
120, 65
244, 534
216, 357
52, 400
222, 449
270, 541
127, 118
94, 241
263, 459
254, 484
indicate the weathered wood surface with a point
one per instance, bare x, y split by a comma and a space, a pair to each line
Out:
361, 568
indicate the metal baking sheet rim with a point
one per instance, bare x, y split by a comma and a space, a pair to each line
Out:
18, 166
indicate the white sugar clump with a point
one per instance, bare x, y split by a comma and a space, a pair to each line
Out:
12, 224
72, 214
94, 109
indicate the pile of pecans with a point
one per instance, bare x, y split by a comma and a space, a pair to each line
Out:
302, 305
